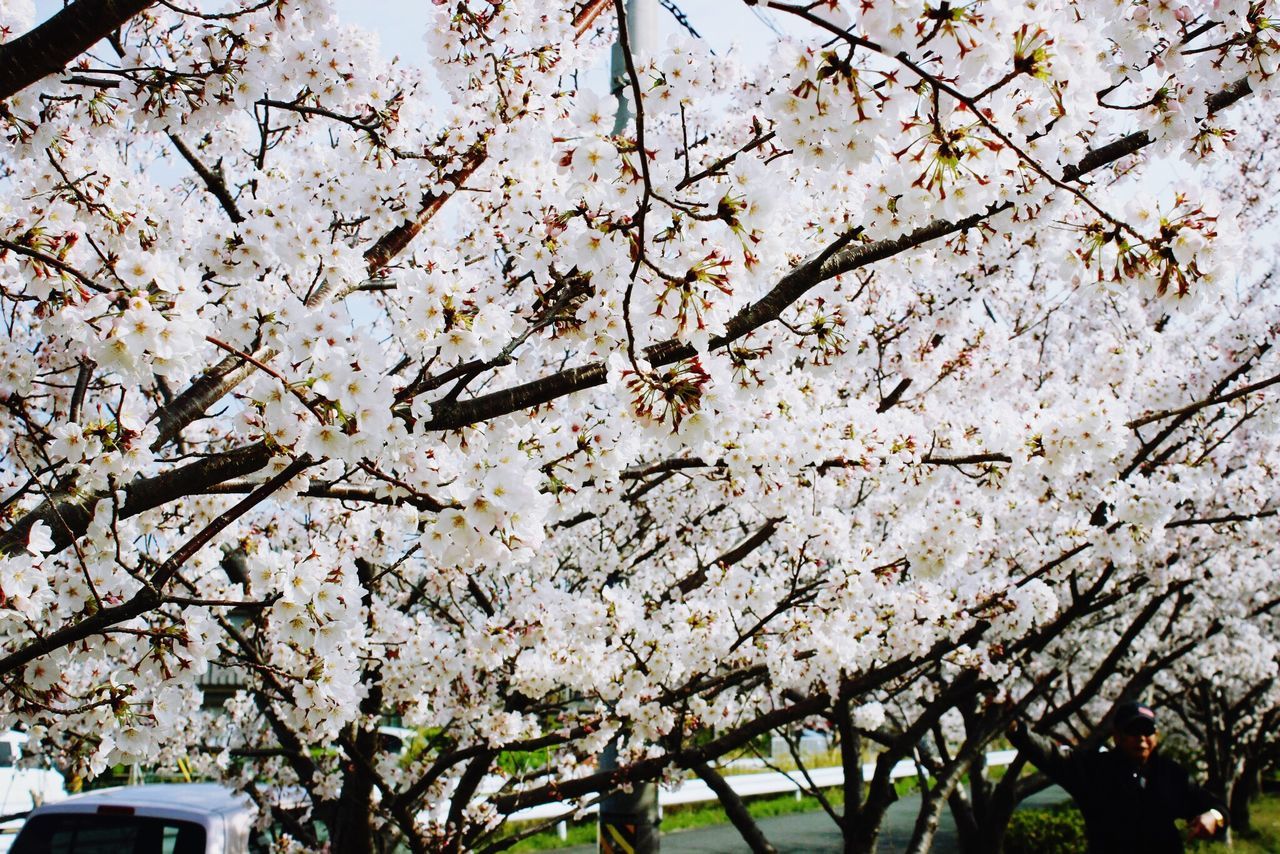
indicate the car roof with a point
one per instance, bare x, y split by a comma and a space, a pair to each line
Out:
188, 798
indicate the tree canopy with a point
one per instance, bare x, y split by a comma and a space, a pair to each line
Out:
882, 379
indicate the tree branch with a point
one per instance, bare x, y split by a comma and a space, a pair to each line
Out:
150, 596
68, 513
1213, 400
844, 255
212, 181
49, 47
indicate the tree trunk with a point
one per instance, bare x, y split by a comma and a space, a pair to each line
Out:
931, 804
1242, 794
992, 841
351, 823
862, 826
982, 822
850, 755
934, 800
735, 809
966, 819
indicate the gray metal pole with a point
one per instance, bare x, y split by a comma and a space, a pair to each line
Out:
642, 33
628, 820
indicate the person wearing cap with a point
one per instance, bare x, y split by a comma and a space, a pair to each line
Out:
1130, 796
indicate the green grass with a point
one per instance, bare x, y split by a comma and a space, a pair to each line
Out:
579, 834
1263, 839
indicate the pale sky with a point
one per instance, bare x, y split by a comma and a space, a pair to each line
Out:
726, 25
401, 23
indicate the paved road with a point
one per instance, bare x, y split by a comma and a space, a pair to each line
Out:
815, 833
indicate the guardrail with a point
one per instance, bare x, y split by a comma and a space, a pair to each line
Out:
749, 785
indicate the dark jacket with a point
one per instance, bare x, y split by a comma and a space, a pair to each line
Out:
1127, 808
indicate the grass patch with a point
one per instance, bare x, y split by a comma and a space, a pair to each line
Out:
1263, 839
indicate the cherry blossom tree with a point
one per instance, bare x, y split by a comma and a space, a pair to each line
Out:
1226, 704
415, 389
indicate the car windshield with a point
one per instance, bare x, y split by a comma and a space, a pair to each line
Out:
90, 833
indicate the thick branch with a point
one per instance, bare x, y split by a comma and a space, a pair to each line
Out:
1185, 413
68, 513
212, 181
1213, 400
735, 809
966, 460
49, 47
199, 396
150, 596
1229, 518
698, 577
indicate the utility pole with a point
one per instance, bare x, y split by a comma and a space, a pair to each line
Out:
642, 33
628, 821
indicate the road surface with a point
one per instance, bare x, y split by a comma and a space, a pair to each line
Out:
815, 833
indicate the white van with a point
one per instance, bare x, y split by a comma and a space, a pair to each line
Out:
168, 818
22, 786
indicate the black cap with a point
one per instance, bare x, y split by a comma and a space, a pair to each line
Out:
1135, 719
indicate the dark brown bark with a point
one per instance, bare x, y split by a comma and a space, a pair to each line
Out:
862, 828
934, 800
982, 812
213, 182
698, 577
735, 809
1004, 797
68, 513
191, 403
350, 820
850, 753
983, 809
966, 820
52, 45
295, 753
